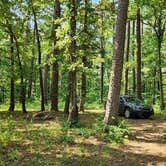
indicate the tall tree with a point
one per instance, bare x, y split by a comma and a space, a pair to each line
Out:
39, 57
55, 72
133, 54
127, 59
138, 69
73, 116
84, 59
112, 105
12, 101
30, 80
45, 81
102, 52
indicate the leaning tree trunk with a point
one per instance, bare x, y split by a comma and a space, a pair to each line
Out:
138, 71
127, 59
12, 102
39, 59
84, 60
112, 105
73, 116
55, 72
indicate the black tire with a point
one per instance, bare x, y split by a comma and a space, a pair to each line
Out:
127, 113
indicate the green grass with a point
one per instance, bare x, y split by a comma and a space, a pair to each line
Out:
25, 142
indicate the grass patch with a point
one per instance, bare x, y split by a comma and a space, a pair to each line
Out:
25, 142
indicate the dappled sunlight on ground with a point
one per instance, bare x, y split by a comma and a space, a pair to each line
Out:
27, 142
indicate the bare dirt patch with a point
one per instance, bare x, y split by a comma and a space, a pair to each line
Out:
147, 145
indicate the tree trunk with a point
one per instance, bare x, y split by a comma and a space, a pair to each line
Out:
12, 102
133, 70
127, 59
83, 88
39, 60
162, 105
32, 69
55, 72
68, 96
45, 81
22, 84
31, 78
84, 60
102, 51
112, 105
73, 116
138, 73
154, 87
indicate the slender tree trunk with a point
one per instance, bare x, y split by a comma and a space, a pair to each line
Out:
162, 105
84, 60
12, 102
127, 59
39, 60
83, 88
45, 81
55, 73
112, 105
31, 78
133, 53
73, 116
32, 68
68, 96
138, 73
22, 84
102, 51
154, 87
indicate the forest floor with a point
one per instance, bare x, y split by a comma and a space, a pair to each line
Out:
25, 142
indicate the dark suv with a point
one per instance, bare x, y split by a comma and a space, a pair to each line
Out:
133, 107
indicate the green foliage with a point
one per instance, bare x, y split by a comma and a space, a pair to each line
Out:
113, 133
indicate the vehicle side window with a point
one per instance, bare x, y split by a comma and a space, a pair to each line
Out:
121, 100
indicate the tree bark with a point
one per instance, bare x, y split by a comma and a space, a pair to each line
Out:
84, 60
102, 51
22, 84
127, 59
138, 71
162, 104
39, 59
45, 81
12, 102
55, 72
154, 86
133, 70
32, 68
73, 116
68, 96
112, 105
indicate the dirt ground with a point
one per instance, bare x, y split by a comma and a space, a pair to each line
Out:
147, 145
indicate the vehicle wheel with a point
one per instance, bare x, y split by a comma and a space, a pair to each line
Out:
127, 113
146, 116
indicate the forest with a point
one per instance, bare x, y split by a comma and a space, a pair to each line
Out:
64, 65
